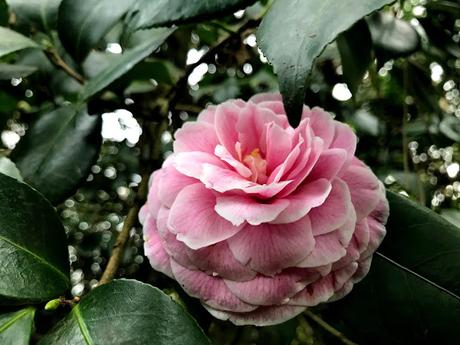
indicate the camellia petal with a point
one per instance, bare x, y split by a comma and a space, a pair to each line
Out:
198, 226
270, 248
238, 209
212, 290
218, 260
155, 251
334, 211
303, 200
263, 316
196, 136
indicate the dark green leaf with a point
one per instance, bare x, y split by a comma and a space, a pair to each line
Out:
126, 312
8, 71
424, 242
148, 14
411, 295
445, 6
33, 246
126, 61
12, 41
82, 24
7, 103
3, 13
295, 32
7, 167
355, 47
392, 37
440, 37
36, 12
16, 327
57, 153
282, 334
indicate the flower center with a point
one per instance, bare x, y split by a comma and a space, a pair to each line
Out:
257, 165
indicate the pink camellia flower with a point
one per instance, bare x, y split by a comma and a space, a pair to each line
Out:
260, 220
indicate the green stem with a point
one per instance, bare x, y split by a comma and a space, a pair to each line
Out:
339, 335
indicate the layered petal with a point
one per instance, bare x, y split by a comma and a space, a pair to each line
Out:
170, 183
251, 125
238, 209
324, 289
262, 316
225, 119
198, 226
335, 210
279, 145
153, 204
154, 249
303, 200
211, 290
328, 165
328, 249
192, 164
218, 260
264, 290
270, 248
344, 138
364, 188
322, 124
196, 136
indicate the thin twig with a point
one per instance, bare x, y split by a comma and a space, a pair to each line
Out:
119, 246
405, 140
57, 60
190, 108
339, 335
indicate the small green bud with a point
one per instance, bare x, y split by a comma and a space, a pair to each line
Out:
53, 304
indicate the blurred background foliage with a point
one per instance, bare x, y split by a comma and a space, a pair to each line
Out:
394, 77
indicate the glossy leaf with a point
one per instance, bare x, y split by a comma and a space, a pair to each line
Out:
33, 246
7, 167
307, 27
16, 327
355, 47
411, 295
452, 215
148, 14
8, 71
36, 12
126, 61
82, 24
435, 256
58, 151
126, 312
450, 127
12, 41
392, 37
